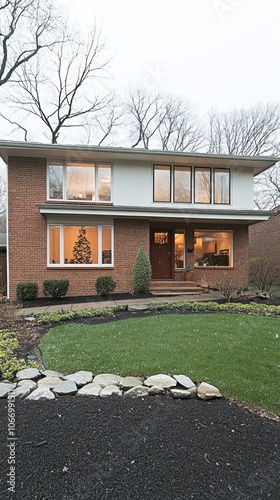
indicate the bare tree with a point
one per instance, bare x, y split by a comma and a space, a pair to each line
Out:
180, 129
145, 113
27, 26
63, 89
267, 188
252, 131
163, 121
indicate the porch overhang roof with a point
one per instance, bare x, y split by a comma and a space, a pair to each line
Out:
56, 152
189, 215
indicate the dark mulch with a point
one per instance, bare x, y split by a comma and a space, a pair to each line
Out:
154, 448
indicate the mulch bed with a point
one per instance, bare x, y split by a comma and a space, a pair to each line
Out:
152, 448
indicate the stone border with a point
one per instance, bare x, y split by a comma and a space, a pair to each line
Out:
32, 384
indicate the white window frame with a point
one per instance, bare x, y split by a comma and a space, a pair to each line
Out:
61, 242
64, 181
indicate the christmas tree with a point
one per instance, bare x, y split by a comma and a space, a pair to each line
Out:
81, 249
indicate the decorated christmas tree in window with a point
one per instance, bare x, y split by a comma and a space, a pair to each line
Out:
81, 250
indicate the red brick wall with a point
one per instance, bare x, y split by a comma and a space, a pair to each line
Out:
264, 240
28, 239
28, 236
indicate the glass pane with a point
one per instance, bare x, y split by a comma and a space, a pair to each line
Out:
179, 250
202, 192
54, 245
106, 245
161, 183
161, 238
104, 182
182, 184
56, 182
80, 245
212, 248
80, 182
221, 185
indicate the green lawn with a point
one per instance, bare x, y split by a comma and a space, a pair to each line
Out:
238, 353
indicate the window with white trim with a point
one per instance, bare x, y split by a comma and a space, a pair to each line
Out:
80, 182
80, 245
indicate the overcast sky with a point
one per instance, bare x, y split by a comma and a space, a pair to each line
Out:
217, 53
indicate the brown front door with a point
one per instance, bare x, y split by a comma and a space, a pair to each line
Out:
161, 254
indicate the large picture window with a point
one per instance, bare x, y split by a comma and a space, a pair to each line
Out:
213, 248
80, 182
80, 245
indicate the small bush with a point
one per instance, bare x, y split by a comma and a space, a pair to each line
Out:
263, 272
141, 272
228, 287
27, 291
8, 311
9, 364
105, 285
55, 288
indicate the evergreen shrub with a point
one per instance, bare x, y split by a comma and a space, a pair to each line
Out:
55, 288
141, 272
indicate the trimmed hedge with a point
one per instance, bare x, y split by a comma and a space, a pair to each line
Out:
27, 291
104, 285
55, 288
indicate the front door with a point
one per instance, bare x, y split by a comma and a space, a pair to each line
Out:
161, 254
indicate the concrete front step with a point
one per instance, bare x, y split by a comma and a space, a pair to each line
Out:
174, 294
167, 284
179, 289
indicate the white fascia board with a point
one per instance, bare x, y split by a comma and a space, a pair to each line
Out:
230, 216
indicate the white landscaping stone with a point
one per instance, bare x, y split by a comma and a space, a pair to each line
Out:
28, 373
52, 373
5, 388
155, 390
50, 382
105, 379
109, 390
161, 380
183, 393
66, 387
184, 381
207, 391
129, 382
80, 378
137, 307
137, 392
91, 389
41, 393
27, 383
21, 392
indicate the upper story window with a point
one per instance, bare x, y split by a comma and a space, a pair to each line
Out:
183, 184
80, 182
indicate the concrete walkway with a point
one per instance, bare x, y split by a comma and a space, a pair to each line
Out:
204, 297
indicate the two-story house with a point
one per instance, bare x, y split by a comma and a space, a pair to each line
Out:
190, 212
